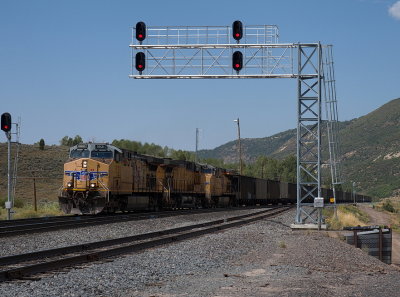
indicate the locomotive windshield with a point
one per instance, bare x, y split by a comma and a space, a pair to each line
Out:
102, 154
77, 153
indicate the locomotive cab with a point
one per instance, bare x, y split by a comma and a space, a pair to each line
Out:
86, 186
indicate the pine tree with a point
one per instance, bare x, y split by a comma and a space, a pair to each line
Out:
41, 144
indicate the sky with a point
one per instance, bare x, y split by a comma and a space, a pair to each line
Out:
64, 68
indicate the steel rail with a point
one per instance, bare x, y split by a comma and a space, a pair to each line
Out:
7, 228
154, 239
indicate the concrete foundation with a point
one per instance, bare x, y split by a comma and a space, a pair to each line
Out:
307, 226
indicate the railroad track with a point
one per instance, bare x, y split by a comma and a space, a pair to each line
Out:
25, 226
23, 266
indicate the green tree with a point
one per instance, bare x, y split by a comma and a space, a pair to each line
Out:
41, 144
182, 155
77, 140
69, 141
65, 140
146, 148
214, 162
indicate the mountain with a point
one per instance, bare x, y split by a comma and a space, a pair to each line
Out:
251, 148
370, 151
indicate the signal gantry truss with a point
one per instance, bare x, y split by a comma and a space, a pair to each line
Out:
186, 52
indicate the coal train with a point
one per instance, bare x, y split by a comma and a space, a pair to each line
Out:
100, 178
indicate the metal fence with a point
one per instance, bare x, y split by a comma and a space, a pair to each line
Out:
375, 240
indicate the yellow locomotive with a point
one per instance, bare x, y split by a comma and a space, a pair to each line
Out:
100, 177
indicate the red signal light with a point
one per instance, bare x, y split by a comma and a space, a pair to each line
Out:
237, 60
140, 31
140, 61
6, 122
237, 30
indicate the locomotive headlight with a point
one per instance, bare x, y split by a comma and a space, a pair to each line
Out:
93, 185
69, 185
84, 164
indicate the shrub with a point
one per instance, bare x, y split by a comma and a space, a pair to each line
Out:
387, 205
282, 244
19, 203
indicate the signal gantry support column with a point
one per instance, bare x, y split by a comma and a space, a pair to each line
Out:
308, 131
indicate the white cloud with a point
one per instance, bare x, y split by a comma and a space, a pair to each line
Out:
394, 10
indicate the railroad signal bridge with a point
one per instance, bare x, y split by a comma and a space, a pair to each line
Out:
253, 51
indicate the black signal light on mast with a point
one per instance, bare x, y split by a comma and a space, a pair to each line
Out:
140, 31
140, 61
6, 122
237, 60
237, 30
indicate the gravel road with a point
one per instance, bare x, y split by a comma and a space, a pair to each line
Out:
266, 258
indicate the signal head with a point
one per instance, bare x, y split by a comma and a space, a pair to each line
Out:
6, 122
237, 60
237, 30
140, 31
140, 61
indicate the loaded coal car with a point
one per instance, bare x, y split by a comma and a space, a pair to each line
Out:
254, 191
347, 197
274, 192
245, 189
288, 193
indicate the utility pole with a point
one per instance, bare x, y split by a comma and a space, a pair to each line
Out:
197, 144
354, 193
34, 195
239, 147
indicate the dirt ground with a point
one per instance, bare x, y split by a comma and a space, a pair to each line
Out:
381, 218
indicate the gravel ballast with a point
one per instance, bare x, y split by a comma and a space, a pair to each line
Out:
265, 258
60, 238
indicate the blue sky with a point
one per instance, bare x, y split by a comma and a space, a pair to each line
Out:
64, 68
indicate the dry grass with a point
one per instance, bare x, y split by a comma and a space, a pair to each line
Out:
44, 210
347, 215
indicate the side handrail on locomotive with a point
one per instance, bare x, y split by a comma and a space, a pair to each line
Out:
105, 188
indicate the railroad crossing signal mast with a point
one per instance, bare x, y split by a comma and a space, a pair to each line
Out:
240, 51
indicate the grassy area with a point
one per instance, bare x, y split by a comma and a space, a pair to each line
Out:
45, 209
347, 215
392, 207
